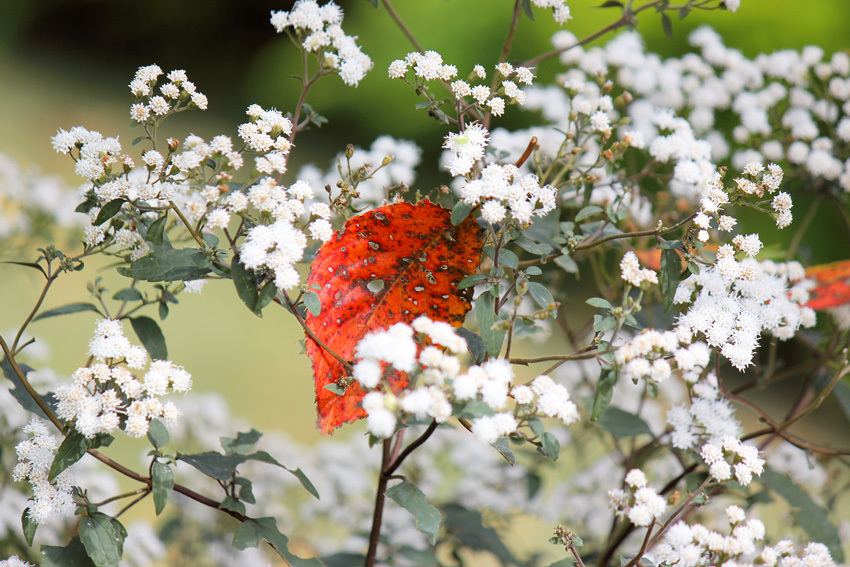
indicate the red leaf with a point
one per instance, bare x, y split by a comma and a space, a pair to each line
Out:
417, 255
833, 287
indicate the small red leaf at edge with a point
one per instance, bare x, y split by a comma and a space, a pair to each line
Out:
833, 287
414, 258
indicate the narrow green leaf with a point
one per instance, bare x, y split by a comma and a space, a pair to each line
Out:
622, 424
667, 25
813, 518
467, 526
67, 310
26, 264
541, 295
312, 303
529, 245
73, 555
486, 318
426, 516
551, 446
242, 443
151, 336
472, 280
602, 395
671, 268
600, 303
474, 343
265, 297
508, 259
156, 231
163, 483
100, 540
588, 211
526, 7
20, 393
108, 211
243, 280
504, 448
168, 264
213, 464
567, 264
251, 532
70, 451
158, 434
127, 294
28, 526
611, 4
460, 211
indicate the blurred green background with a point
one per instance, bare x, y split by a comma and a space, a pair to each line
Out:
67, 63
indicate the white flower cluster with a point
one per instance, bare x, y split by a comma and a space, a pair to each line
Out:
15, 561
96, 154
502, 190
268, 133
737, 301
560, 10
642, 505
35, 456
468, 147
405, 154
707, 417
651, 354
320, 30
280, 245
149, 106
745, 460
29, 199
444, 382
106, 393
631, 271
692, 545
428, 66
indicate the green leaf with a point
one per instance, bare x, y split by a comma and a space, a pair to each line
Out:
474, 343
533, 247
504, 448
128, 294
813, 518
243, 280
536, 425
214, 464
163, 483
508, 259
169, 264
460, 211
28, 527
151, 336
158, 434
20, 393
602, 395
305, 482
27, 264
426, 516
352, 559
551, 447
611, 4
622, 424
486, 318
600, 303
70, 451
533, 271
242, 443
156, 231
603, 324
540, 294
667, 25
100, 540
671, 268
231, 503
567, 264
73, 555
565, 562
266, 296
588, 211
526, 7
470, 281
108, 211
473, 410
251, 532
467, 526
312, 303
67, 310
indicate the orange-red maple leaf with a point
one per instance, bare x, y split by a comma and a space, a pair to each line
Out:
388, 265
833, 285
